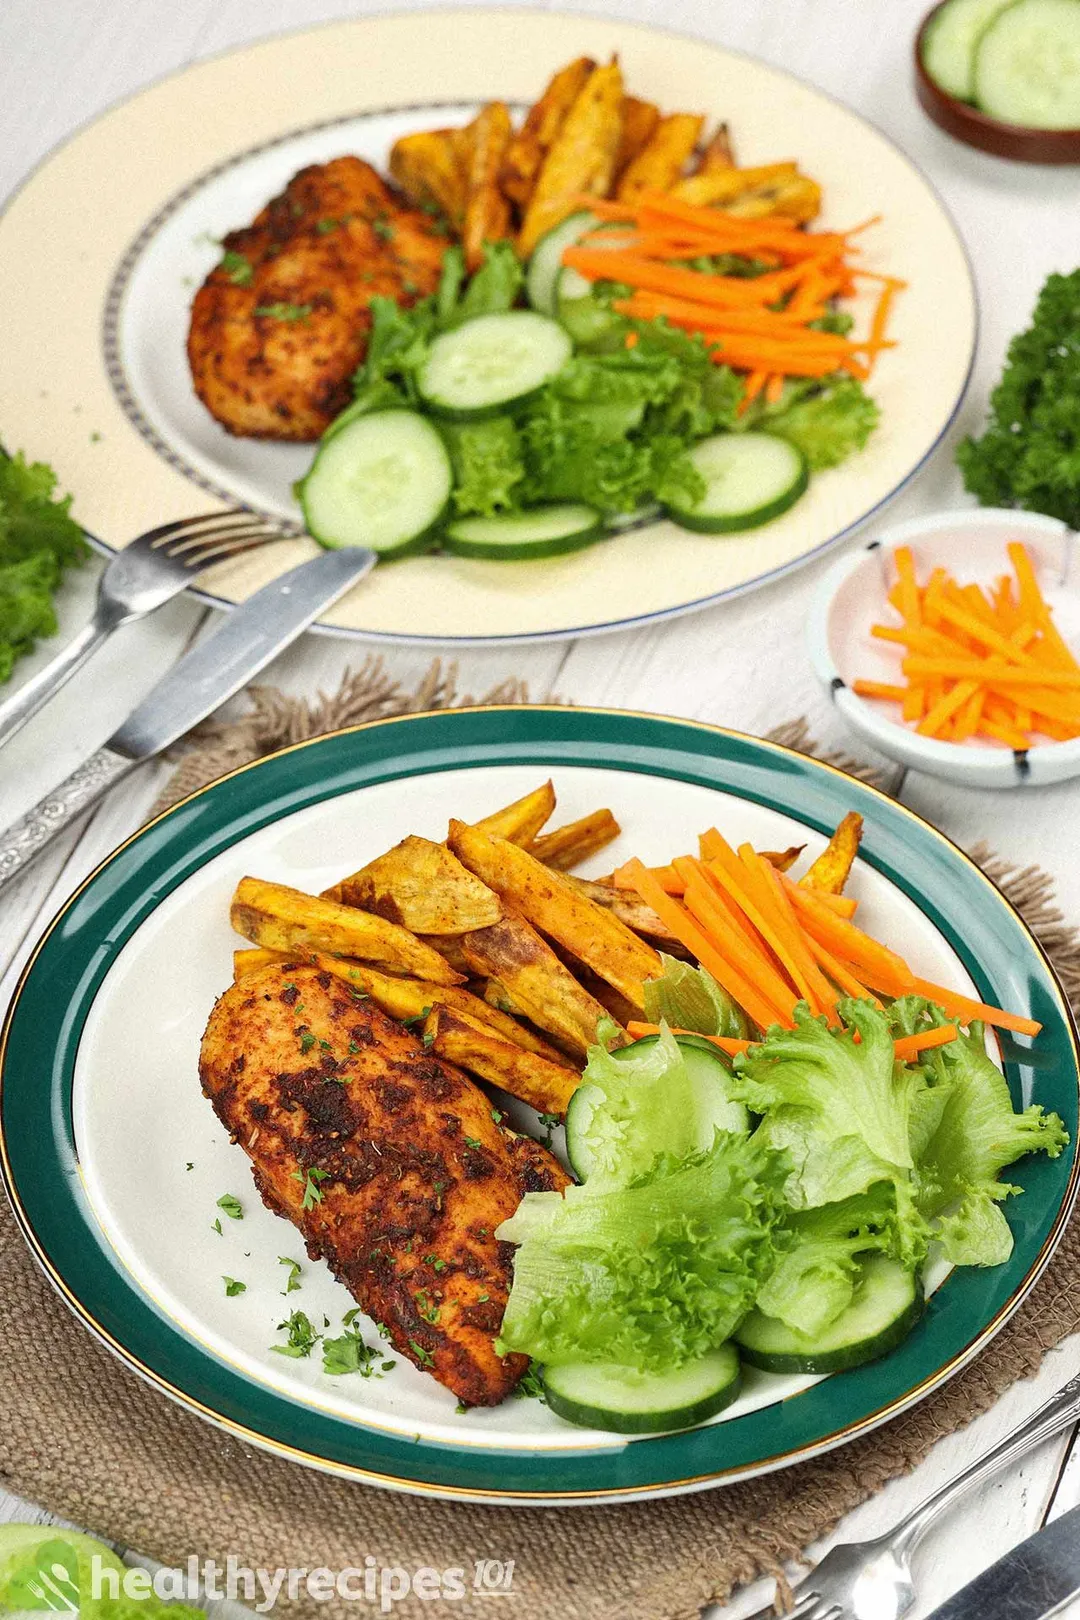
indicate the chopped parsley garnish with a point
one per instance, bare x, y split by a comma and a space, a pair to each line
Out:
353, 1048
325, 1045
323, 227
292, 1282
233, 1287
497, 1115
435, 1263
348, 1354
190, 1165
483, 1298
310, 1183
284, 312
473, 1142
383, 230
238, 268
307, 1040
217, 1227
428, 1038
417, 1019
424, 1357
232, 1206
302, 1337
549, 1122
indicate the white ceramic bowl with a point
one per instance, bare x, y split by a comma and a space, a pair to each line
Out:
971, 544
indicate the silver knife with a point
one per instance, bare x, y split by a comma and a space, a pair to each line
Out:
1029, 1583
204, 679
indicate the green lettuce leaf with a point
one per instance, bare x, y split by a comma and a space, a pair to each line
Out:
488, 464
39, 539
640, 1102
840, 1108
690, 998
977, 1135
818, 1267
828, 420
650, 1276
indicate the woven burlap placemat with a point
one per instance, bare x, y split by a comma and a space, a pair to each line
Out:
85, 1438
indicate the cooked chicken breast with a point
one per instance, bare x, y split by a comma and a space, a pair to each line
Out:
403, 1169
280, 325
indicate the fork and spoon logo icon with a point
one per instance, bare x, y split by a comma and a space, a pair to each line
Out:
48, 1580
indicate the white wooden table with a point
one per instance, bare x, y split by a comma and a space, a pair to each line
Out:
742, 664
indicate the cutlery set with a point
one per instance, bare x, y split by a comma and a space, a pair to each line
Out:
151, 571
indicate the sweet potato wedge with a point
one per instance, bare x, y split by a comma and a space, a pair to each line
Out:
412, 998
782, 859
487, 210
422, 886
521, 821
284, 919
624, 903
534, 981
472, 1045
720, 186
555, 907
639, 121
661, 161
719, 152
582, 157
527, 150
576, 841
431, 170
831, 869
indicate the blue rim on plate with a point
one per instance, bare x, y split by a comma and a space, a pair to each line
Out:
38, 1053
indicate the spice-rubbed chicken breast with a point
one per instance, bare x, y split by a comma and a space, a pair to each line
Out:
280, 325
395, 1153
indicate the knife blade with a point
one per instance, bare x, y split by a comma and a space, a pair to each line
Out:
1038, 1576
204, 679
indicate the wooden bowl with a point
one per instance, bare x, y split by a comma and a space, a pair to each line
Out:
960, 119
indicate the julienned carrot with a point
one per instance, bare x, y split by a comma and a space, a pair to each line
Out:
980, 663
845, 905
909, 1046
839, 972
727, 1043
667, 877
824, 994
747, 957
681, 924
964, 1008
881, 968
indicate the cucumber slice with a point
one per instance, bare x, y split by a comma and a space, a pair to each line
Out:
546, 261
382, 481
888, 1301
688, 1127
480, 368
751, 478
629, 1402
1027, 65
950, 41
543, 531
591, 323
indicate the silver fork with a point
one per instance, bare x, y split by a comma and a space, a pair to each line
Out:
145, 575
871, 1580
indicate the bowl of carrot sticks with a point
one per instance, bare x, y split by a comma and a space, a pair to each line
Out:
952, 644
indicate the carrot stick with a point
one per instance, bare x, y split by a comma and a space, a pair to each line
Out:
909, 1046
933, 723
727, 1043
904, 560
754, 384
751, 961
880, 689
843, 904
964, 1008
824, 994
839, 971
960, 669
686, 930
666, 876
878, 965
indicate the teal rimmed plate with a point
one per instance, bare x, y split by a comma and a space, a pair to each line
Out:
115, 1163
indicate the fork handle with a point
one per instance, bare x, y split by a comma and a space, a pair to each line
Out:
17, 709
1054, 1415
23, 843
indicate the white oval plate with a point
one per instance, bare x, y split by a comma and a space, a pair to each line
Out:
104, 393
